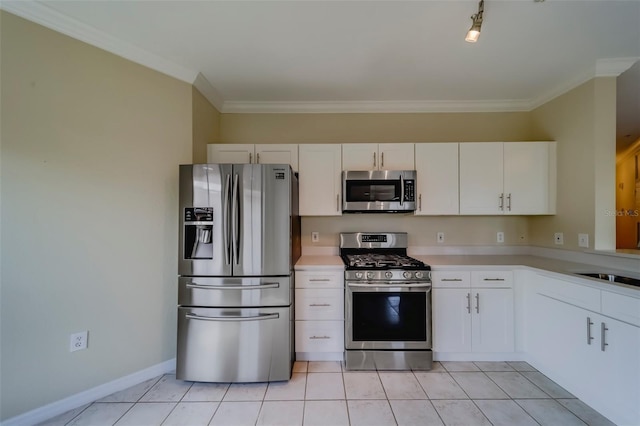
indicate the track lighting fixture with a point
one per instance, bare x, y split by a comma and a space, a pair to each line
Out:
474, 31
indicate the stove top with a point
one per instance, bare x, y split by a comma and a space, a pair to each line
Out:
381, 261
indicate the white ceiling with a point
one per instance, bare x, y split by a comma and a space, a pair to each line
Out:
360, 55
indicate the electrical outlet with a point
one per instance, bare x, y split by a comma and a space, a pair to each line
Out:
583, 240
315, 237
500, 237
78, 341
440, 237
558, 238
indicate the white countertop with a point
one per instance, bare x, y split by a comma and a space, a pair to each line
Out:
442, 262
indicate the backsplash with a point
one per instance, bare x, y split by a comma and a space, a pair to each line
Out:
457, 230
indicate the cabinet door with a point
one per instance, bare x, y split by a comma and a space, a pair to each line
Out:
360, 156
481, 178
230, 153
559, 343
618, 369
527, 177
437, 182
278, 154
320, 180
492, 320
396, 156
451, 320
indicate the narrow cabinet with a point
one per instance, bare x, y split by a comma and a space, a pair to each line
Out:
254, 154
319, 315
320, 180
437, 179
373, 156
473, 312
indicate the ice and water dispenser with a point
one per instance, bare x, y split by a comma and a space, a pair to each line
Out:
198, 230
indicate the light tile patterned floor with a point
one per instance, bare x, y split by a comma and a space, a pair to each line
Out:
323, 394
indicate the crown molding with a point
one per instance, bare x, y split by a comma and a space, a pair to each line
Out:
374, 106
208, 91
40, 13
613, 67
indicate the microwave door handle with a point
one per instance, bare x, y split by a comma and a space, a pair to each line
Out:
401, 189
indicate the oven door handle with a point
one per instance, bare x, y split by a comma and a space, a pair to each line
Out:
407, 285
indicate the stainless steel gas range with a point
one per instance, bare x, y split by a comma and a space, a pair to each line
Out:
387, 304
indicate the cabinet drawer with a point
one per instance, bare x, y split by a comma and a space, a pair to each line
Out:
492, 279
319, 279
319, 336
443, 279
575, 294
319, 304
623, 308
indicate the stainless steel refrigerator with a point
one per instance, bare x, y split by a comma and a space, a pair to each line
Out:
239, 240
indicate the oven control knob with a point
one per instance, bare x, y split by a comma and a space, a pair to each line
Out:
419, 274
359, 275
370, 275
388, 274
407, 274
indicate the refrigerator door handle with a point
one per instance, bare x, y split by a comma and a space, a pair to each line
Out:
235, 219
226, 237
232, 319
233, 287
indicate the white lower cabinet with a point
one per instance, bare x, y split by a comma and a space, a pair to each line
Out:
593, 356
319, 315
472, 312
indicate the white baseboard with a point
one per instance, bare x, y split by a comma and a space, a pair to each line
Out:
49, 411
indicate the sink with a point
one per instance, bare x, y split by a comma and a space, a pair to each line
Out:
613, 278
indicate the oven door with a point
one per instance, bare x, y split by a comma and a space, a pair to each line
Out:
387, 316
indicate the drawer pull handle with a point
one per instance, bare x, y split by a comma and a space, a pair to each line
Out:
260, 317
493, 279
320, 304
318, 280
319, 337
451, 279
233, 287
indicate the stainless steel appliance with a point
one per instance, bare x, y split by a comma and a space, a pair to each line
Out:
239, 240
379, 191
387, 304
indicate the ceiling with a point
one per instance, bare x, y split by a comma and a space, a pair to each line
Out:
351, 56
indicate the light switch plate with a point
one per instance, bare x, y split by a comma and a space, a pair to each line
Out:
500, 237
315, 237
440, 237
583, 240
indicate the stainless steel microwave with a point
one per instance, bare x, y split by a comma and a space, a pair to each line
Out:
378, 191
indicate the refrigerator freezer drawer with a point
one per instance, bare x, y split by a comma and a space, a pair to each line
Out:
234, 345
234, 292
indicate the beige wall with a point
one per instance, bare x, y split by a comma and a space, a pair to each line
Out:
380, 128
89, 155
206, 126
582, 121
385, 128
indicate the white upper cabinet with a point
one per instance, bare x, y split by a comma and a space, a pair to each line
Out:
437, 178
230, 153
320, 180
515, 178
529, 177
256, 154
373, 156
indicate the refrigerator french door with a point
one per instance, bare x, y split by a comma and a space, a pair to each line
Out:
239, 239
